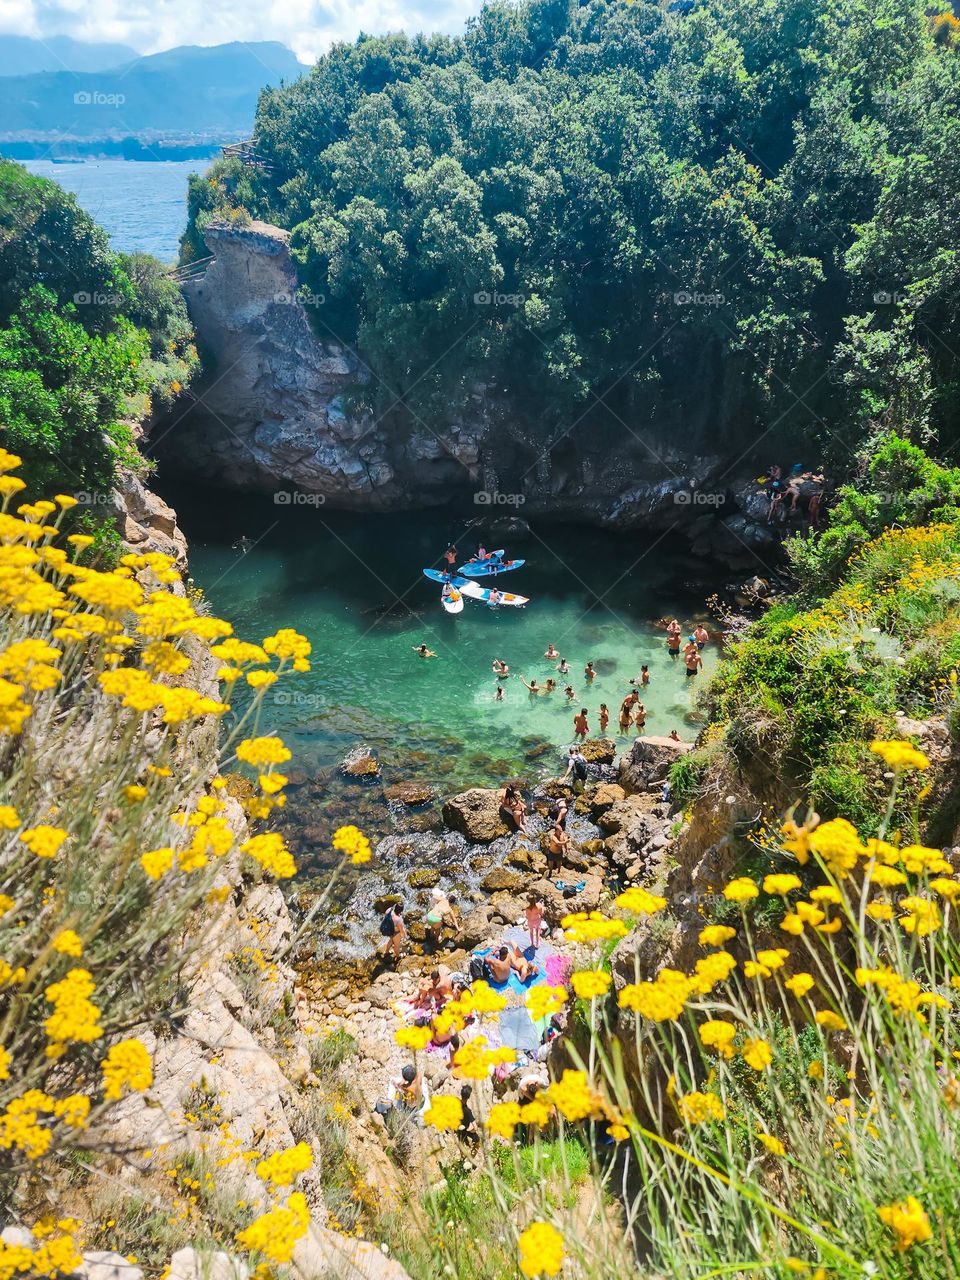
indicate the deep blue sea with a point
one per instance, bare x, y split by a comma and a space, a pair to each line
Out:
141, 203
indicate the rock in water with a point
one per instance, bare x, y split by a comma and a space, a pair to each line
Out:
360, 763
476, 815
599, 750
410, 793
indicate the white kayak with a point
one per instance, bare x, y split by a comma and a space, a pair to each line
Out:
452, 600
486, 594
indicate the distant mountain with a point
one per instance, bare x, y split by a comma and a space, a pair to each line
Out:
22, 55
189, 91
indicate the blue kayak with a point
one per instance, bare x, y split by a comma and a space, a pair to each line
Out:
437, 575
487, 568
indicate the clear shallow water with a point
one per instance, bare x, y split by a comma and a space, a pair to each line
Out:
347, 582
142, 204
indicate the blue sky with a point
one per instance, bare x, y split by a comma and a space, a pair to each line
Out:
307, 26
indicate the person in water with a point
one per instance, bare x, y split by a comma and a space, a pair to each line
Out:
549, 684
701, 635
563, 667
551, 651
498, 696
569, 692
640, 716
644, 674
580, 726
626, 710
501, 668
674, 736
673, 638
533, 687
589, 671
604, 717
693, 662
423, 651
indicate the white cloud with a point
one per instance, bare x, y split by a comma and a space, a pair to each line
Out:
309, 27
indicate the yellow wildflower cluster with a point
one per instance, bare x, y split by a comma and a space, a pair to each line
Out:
351, 842
127, 1066
283, 1167
275, 1233
474, 1061
444, 1113
541, 1250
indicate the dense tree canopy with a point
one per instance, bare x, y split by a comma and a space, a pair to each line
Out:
722, 217
87, 337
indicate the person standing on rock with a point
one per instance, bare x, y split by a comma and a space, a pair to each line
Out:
673, 638
534, 914
557, 846
441, 908
576, 767
394, 929
580, 726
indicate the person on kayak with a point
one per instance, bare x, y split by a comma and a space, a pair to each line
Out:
450, 555
495, 596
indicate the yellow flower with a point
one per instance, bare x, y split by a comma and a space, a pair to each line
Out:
503, 1118
800, 984
923, 917
9, 821
900, 755
541, 1250
838, 844
757, 1054
718, 1035
134, 793
830, 1021
126, 1066
908, 1220
887, 877
271, 852
415, 1038
826, 894
591, 926
73, 1017
815, 1069
880, 911
573, 1097
715, 935
44, 841
741, 890
474, 1061
544, 1002
68, 943
773, 1145
275, 1234
661, 1000
639, 901
282, 1167
444, 1113
590, 983
946, 888
259, 752
781, 884
696, 1108
352, 842
157, 862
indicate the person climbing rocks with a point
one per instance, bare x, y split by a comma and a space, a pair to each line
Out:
442, 908
393, 928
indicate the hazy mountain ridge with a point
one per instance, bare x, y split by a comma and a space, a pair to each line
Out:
188, 91
26, 55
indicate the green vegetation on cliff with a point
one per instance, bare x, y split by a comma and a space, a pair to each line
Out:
89, 338
734, 218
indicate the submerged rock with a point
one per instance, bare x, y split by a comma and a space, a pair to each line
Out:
360, 763
410, 793
599, 750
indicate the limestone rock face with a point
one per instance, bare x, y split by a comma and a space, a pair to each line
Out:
648, 761
476, 815
145, 521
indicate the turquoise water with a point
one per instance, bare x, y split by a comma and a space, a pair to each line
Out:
141, 204
352, 584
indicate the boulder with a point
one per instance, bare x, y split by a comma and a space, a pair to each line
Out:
599, 750
502, 880
189, 1264
600, 797
101, 1264
648, 762
474, 927
423, 878
360, 763
476, 815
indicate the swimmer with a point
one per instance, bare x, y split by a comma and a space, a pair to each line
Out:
674, 736
580, 726
423, 651
701, 635
551, 651
626, 710
569, 691
604, 717
549, 684
532, 687
673, 638
589, 671
563, 667
500, 668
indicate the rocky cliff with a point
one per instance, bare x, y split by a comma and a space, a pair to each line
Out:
278, 410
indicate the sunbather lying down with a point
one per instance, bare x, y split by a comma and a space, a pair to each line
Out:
509, 958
